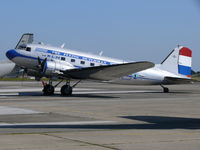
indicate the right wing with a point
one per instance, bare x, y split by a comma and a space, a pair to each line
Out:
107, 72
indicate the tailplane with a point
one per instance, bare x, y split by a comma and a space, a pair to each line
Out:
179, 62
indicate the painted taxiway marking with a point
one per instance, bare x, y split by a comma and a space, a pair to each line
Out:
57, 123
113, 92
4, 110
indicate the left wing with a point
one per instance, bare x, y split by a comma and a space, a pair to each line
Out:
107, 72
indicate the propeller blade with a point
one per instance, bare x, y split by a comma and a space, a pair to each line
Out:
39, 61
24, 72
43, 65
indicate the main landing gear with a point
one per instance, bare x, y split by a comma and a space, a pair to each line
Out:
48, 89
66, 90
165, 89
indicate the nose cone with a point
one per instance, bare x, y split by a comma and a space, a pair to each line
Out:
11, 54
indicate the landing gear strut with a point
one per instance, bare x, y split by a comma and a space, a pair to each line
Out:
165, 89
66, 90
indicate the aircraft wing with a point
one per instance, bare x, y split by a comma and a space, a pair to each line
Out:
107, 72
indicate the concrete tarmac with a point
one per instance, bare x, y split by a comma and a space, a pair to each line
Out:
99, 116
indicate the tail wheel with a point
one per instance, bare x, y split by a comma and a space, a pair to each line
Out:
66, 90
48, 90
165, 90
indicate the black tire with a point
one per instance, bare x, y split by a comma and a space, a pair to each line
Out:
165, 90
48, 90
66, 90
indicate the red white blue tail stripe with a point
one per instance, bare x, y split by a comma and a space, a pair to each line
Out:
185, 62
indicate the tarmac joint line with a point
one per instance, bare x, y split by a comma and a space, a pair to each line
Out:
79, 141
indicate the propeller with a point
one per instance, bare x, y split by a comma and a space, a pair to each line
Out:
24, 72
42, 65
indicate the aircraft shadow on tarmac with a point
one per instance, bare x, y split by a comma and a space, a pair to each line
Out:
58, 95
151, 122
95, 95
92, 94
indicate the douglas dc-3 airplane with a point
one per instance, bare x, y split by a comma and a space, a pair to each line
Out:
40, 60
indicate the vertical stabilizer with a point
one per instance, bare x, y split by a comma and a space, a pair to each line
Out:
179, 62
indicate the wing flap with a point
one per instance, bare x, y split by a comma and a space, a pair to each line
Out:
107, 72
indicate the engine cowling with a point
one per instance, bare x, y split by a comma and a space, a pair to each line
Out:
51, 69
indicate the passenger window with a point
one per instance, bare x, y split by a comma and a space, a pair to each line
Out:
28, 49
72, 60
63, 58
91, 64
82, 62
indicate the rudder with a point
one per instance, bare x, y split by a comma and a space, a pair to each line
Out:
185, 62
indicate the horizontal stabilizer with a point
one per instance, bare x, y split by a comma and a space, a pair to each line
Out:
174, 80
107, 72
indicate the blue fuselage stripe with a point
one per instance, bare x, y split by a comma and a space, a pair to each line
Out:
47, 51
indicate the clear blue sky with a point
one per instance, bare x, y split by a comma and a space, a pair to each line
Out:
128, 29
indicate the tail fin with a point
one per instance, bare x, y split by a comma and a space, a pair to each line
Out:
25, 39
179, 62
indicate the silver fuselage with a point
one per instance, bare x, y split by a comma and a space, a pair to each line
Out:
64, 59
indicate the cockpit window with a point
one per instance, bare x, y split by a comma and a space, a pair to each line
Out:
28, 49
22, 47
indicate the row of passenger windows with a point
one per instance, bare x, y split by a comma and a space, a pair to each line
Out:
81, 62
62, 58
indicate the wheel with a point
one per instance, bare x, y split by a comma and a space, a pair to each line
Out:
66, 90
48, 90
165, 90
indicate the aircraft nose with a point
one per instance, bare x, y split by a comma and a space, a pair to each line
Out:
11, 54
